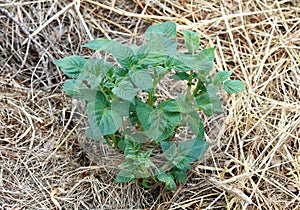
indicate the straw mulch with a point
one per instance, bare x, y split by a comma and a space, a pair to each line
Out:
254, 159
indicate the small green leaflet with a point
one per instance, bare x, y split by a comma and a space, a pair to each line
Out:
74, 88
143, 111
107, 122
160, 70
158, 124
220, 77
110, 122
203, 62
209, 101
138, 137
94, 111
184, 105
175, 62
188, 152
192, 41
131, 147
179, 175
98, 103
206, 60
145, 161
168, 179
166, 29
157, 50
142, 79
124, 176
120, 106
233, 86
169, 149
174, 119
196, 124
94, 70
181, 76
119, 51
125, 90
71, 65
102, 120
169, 105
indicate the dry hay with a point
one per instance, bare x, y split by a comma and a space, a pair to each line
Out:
254, 160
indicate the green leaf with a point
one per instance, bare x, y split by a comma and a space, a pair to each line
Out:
153, 127
142, 79
220, 77
71, 65
94, 70
131, 147
166, 29
157, 51
175, 62
184, 105
206, 57
168, 179
119, 51
121, 144
125, 90
144, 158
143, 111
187, 62
139, 137
181, 76
158, 47
192, 41
95, 109
74, 88
160, 70
179, 174
98, 44
189, 151
99, 102
120, 106
209, 101
169, 149
196, 124
203, 62
158, 124
233, 86
102, 120
124, 176
148, 183
108, 122
169, 105
174, 119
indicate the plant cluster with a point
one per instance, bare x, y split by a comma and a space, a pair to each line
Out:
119, 117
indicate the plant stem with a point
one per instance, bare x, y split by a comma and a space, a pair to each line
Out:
150, 99
198, 87
188, 91
113, 138
166, 165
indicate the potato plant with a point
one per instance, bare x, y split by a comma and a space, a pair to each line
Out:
121, 118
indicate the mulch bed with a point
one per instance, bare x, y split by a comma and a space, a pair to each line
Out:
254, 158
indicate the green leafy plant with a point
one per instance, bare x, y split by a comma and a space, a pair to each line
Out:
135, 126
